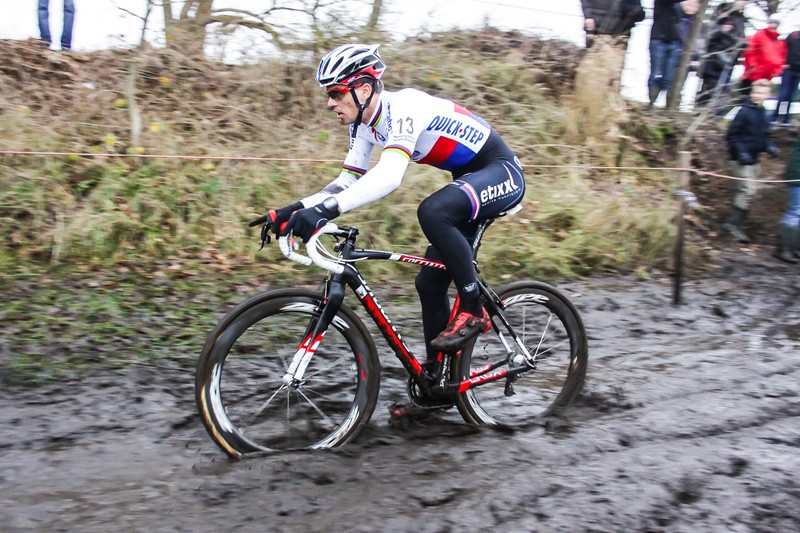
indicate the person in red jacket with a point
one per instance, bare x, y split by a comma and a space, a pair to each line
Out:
764, 57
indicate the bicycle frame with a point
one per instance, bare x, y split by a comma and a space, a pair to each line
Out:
346, 274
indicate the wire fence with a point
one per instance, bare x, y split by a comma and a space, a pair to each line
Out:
698, 172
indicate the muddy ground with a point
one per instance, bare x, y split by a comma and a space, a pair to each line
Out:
688, 422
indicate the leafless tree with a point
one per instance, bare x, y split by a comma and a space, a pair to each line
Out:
290, 24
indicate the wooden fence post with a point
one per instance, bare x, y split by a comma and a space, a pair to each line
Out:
684, 160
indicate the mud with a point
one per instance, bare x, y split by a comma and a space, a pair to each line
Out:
688, 422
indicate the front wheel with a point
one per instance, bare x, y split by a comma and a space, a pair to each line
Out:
551, 329
242, 398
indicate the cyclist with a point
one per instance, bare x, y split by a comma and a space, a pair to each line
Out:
410, 125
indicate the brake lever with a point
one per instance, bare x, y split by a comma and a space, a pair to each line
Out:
265, 237
267, 224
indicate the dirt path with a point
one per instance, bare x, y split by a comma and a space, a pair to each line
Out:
688, 422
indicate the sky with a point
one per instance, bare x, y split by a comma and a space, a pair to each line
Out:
103, 24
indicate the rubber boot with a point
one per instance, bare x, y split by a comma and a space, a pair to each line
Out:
786, 243
734, 224
654, 92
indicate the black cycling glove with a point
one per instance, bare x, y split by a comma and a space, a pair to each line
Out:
305, 222
274, 219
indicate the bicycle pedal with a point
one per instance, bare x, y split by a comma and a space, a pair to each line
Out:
509, 388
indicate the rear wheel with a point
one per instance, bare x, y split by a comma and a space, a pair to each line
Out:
240, 393
552, 331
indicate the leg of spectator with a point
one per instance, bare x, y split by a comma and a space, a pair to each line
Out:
673, 58
722, 96
747, 187
784, 95
794, 81
44, 22
711, 79
657, 51
69, 19
792, 215
787, 238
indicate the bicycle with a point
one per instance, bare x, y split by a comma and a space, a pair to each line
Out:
295, 368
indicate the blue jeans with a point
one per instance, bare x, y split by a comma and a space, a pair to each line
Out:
789, 82
664, 57
792, 216
44, 23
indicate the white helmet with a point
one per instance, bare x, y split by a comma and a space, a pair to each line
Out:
347, 63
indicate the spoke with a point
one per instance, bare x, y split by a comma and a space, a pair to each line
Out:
240, 399
323, 395
288, 413
327, 367
317, 409
265, 404
544, 334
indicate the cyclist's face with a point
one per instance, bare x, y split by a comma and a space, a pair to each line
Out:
340, 101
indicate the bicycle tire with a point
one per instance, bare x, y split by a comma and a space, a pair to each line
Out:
551, 328
241, 398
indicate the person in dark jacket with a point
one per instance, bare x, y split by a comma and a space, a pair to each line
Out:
665, 47
733, 12
787, 239
790, 78
718, 61
614, 18
747, 137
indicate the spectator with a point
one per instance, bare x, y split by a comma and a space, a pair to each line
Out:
44, 23
747, 137
665, 47
718, 61
734, 12
764, 56
608, 25
790, 77
787, 239
610, 21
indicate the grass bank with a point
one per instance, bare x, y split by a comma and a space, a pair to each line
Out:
159, 234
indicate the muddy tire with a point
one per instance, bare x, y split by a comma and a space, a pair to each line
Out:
240, 394
551, 329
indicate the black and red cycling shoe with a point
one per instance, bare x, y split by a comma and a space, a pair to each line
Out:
462, 329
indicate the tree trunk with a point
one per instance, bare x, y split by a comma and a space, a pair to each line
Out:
169, 21
130, 87
372, 25
772, 6
674, 96
189, 31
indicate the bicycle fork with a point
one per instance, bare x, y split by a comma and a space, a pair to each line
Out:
330, 306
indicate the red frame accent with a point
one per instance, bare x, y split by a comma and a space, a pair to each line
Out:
421, 261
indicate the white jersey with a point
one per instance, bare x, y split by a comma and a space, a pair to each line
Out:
430, 130
426, 129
